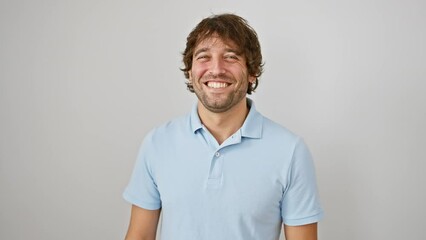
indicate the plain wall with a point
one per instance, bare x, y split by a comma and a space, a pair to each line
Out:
82, 82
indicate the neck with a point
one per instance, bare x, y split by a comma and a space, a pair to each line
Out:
223, 125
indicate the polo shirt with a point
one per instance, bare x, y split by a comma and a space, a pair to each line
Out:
243, 189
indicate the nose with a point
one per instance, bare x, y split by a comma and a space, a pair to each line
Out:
217, 66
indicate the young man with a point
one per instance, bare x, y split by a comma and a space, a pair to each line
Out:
224, 171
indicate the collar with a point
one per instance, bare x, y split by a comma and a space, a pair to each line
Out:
195, 120
252, 126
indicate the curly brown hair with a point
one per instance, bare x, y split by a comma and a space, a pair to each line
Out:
229, 27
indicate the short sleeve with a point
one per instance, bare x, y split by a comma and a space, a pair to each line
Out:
300, 204
142, 189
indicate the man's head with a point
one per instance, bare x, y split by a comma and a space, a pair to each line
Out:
234, 30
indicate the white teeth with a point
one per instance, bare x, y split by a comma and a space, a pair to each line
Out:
217, 84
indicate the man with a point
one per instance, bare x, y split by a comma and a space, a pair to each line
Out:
224, 171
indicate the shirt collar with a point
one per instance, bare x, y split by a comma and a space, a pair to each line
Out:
195, 119
252, 126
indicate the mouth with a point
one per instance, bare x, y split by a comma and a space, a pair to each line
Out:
217, 85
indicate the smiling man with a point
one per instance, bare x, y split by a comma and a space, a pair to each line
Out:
224, 171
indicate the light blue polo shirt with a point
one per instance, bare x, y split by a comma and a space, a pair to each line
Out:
244, 189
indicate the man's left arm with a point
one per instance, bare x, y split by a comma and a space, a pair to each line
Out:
303, 232
300, 207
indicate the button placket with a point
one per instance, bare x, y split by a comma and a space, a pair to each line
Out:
216, 169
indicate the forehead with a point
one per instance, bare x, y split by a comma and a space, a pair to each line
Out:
216, 42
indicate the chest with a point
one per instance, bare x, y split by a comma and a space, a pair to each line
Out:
205, 182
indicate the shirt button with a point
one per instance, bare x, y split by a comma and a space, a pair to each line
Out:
217, 154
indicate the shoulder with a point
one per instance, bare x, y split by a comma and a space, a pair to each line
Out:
276, 132
175, 128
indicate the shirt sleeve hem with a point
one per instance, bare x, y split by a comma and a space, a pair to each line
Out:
141, 204
303, 221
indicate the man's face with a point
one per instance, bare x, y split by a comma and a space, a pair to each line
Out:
219, 74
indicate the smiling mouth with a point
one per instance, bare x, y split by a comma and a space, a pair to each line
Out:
217, 84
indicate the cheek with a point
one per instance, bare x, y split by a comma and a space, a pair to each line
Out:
197, 72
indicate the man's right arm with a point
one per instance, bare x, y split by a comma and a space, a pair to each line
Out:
143, 224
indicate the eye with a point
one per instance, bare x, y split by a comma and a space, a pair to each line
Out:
202, 57
231, 57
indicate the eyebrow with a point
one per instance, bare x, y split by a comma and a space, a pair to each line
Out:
205, 49
201, 50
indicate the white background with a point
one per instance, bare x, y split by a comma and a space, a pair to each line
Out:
81, 83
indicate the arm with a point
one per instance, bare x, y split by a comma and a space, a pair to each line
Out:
143, 224
303, 232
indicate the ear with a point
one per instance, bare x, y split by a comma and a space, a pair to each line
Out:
252, 79
190, 76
